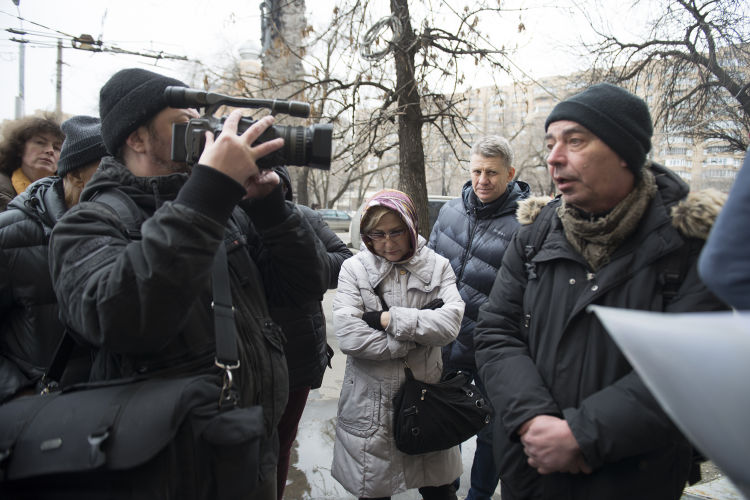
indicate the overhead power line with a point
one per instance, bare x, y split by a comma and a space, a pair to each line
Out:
85, 42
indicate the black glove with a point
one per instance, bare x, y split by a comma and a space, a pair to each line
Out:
373, 319
435, 304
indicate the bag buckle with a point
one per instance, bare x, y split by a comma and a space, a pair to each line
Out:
46, 385
97, 456
227, 395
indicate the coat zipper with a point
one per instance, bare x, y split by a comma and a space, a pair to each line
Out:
468, 248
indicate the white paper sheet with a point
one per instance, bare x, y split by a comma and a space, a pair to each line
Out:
697, 366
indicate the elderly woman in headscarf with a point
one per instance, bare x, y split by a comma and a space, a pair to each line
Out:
397, 302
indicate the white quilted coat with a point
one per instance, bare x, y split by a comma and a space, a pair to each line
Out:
365, 459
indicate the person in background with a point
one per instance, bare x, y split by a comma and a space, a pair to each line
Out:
307, 353
472, 232
394, 268
724, 264
574, 420
30, 327
29, 151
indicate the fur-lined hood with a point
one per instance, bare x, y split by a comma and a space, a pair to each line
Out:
693, 216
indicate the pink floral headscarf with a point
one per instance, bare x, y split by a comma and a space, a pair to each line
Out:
401, 204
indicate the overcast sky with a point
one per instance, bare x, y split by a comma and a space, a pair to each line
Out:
197, 29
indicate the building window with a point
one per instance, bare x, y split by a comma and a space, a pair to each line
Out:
719, 174
675, 163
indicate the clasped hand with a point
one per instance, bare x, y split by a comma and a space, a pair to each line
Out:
234, 155
551, 446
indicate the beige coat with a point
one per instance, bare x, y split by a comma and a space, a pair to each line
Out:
365, 459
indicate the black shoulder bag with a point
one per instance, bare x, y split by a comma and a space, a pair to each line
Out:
434, 417
184, 438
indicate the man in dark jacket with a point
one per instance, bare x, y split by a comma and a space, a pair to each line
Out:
306, 349
145, 298
575, 421
30, 328
472, 232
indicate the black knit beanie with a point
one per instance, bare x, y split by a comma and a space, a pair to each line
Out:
615, 116
83, 144
128, 100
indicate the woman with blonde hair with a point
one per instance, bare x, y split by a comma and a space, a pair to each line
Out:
396, 303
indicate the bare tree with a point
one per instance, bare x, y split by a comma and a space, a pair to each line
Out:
694, 55
385, 79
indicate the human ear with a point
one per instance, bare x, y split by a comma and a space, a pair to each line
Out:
137, 140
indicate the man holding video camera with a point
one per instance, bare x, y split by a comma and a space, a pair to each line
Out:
144, 298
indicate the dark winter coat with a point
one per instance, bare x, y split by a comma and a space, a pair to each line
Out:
305, 327
540, 353
29, 325
724, 264
474, 240
147, 303
7, 191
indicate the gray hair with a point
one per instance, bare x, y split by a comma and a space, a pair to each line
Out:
494, 146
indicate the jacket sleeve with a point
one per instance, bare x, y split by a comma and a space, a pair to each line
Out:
434, 328
354, 336
133, 297
12, 378
724, 264
336, 249
295, 267
515, 387
624, 419
432, 244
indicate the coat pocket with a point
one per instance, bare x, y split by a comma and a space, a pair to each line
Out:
357, 413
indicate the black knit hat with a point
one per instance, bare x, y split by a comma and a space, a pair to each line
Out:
615, 116
128, 100
83, 144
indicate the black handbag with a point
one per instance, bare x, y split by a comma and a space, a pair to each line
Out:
184, 438
434, 417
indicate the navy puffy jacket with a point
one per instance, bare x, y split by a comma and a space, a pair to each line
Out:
474, 240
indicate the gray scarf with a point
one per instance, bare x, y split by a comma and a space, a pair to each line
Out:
597, 239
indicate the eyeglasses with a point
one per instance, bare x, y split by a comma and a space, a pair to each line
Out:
393, 235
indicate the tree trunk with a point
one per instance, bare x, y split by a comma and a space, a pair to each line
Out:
302, 196
412, 177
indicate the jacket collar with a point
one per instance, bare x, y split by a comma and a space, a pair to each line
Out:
421, 265
654, 237
516, 191
43, 201
147, 192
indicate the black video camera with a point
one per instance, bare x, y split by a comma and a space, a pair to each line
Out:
303, 146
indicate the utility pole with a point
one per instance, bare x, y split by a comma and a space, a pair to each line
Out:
21, 71
58, 96
20, 112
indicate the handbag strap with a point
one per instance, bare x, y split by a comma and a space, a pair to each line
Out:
226, 336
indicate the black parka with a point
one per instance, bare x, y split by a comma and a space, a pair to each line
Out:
540, 353
474, 240
30, 328
147, 303
305, 327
